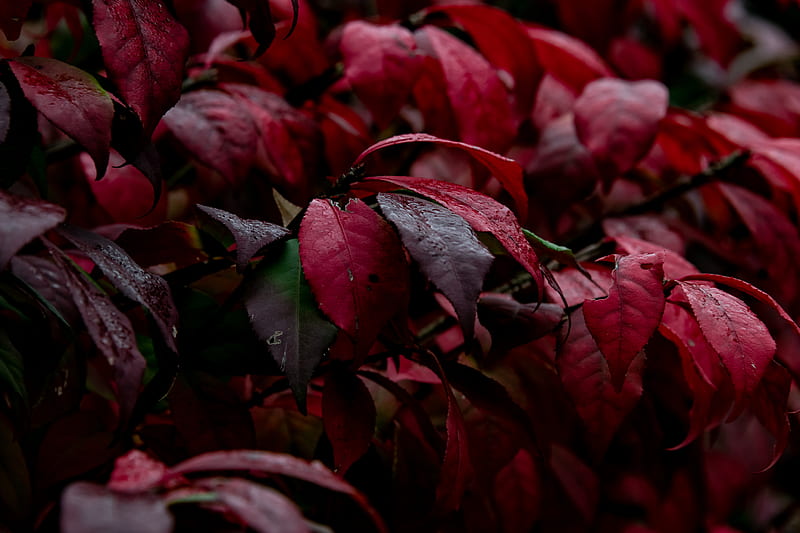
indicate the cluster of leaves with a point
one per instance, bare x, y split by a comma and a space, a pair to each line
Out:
303, 253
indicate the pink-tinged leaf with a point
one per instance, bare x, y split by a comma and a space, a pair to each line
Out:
261, 508
587, 379
675, 265
576, 287
136, 472
22, 220
217, 130
285, 316
578, 481
356, 267
250, 235
148, 289
567, 58
89, 507
507, 171
348, 415
617, 121
769, 404
772, 105
622, 323
742, 341
480, 211
12, 15
72, 100
144, 51
381, 65
446, 249
111, 331
480, 102
517, 493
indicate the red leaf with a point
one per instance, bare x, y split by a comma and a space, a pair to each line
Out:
217, 130
89, 507
22, 220
478, 98
250, 235
144, 50
675, 265
261, 508
770, 407
517, 493
12, 15
617, 121
623, 322
742, 341
446, 249
136, 472
355, 265
72, 100
381, 65
148, 289
587, 379
482, 212
567, 58
348, 415
507, 171
260, 21
578, 480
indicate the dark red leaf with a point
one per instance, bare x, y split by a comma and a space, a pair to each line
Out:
480, 211
507, 171
742, 341
261, 508
381, 65
250, 235
5, 113
517, 493
144, 50
623, 322
136, 472
22, 220
356, 267
617, 121
47, 279
89, 507
348, 415
587, 379
285, 316
446, 249
260, 21
480, 102
12, 15
567, 58
769, 404
72, 100
512, 323
576, 287
217, 130
148, 289
579, 482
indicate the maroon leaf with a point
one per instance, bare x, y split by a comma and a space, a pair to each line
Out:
381, 65
579, 482
136, 472
567, 58
348, 415
285, 316
148, 289
482, 212
507, 171
446, 249
89, 507
260, 21
623, 322
5, 113
742, 341
12, 15
144, 50
261, 508
587, 379
517, 493
250, 235
512, 323
770, 407
72, 100
111, 332
479, 100
617, 121
355, 265
217, 130
22, 220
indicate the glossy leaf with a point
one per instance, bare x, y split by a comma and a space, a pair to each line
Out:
250, 235
623, 322
22, 220
90, 507
348, 415
356, 267
72, 100
285, 316
144, 50
446, 249
148, 289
